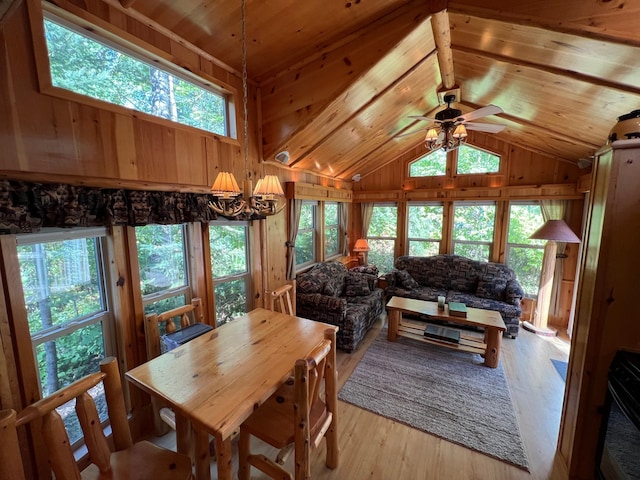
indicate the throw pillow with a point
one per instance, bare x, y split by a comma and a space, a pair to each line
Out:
406, 280
309, 284
491, 288
356, 285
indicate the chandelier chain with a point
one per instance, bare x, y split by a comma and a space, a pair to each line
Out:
244, 90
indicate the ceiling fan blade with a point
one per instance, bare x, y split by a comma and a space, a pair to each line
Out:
420, 117
481, 112
424, 131
485, 127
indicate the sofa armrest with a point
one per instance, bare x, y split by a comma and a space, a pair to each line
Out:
318, 306
390, 278
513, 292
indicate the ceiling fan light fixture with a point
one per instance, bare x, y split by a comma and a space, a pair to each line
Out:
460, 132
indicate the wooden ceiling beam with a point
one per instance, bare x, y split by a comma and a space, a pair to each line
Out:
6, 8
600, 17
127, 3
600, 82
442, 37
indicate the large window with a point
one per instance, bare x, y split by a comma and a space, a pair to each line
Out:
473, 225
71, 328
382, 236
474, 160
164, 280
229, 247
306, 239
331, 229
85, 64
424, 229
431, 165
525, 255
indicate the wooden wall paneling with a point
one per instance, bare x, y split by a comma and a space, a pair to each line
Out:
273, 250
447, 234
9, 124
606, 295
402, 246
257, 283
9, 373
500, 232
197, 263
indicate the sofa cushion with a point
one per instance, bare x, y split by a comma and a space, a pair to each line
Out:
356, 285
368, 268
406, 280
491, 288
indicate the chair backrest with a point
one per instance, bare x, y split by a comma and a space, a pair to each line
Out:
53, 431
283, 299
316, 405
188, 315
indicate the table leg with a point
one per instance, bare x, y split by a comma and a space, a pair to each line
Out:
184, 442
394, 324
223, 454
493, 339
203, 462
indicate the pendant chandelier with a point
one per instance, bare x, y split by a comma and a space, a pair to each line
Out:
447, 136
268, 196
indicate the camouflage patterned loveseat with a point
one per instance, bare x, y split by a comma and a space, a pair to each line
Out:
492, 286
349, 299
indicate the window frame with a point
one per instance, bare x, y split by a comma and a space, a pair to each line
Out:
440, 242
509, 245
490, 243
123, 41
381, 238
314, 234
484, 150
332, 226
185, 290
246, 276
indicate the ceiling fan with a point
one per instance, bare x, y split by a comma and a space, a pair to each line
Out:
450, 129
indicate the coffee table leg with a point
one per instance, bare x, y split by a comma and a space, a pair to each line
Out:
394, 324
493, 339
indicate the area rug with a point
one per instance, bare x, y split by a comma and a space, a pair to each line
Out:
440, 391
561, 368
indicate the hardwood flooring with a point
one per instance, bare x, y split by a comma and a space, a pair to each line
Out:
373, 447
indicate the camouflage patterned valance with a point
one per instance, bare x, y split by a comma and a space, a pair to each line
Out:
27, 207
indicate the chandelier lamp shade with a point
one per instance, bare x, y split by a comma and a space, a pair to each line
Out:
268, 197
446, 135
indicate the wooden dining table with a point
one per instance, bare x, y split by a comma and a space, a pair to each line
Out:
214, 382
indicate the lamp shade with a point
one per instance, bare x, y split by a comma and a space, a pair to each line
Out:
556, 230
361, 245
225, 185
269, 185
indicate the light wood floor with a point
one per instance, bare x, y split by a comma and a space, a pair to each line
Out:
373, 447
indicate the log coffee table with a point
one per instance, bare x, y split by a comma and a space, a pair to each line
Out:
490, 320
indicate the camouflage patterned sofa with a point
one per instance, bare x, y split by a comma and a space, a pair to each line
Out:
492, 286
349, 299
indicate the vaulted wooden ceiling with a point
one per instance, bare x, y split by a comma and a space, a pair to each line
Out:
338, 79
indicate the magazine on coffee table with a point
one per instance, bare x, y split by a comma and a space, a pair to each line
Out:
445, 334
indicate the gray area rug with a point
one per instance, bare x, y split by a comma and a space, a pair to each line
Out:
440, 391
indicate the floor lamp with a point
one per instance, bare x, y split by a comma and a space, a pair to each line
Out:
553, 231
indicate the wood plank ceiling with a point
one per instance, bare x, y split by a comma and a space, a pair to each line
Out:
339, 79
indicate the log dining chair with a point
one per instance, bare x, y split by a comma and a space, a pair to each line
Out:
189, 314
283, 299
302, 413
142, 460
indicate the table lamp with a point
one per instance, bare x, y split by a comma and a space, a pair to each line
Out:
362, 247
553, 231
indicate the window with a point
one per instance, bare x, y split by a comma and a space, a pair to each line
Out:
525, 255
474, 160
97, 68
306, 239
473, 230
382, 236
431, 165
71, 328
229, 247
163, 268
331, 229
424, 229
